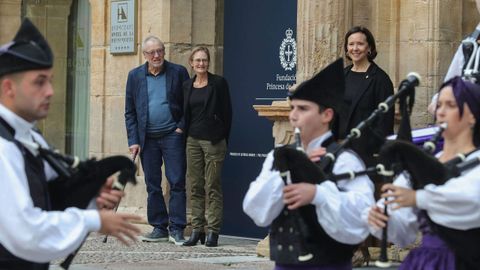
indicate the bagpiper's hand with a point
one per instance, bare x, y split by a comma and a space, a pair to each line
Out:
377, 218
108, 197
297, 195
317, 153
118, 225
402, 197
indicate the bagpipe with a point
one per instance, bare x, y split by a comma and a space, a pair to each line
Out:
79, 182
391, 162
294, 167
400, 156
423, 169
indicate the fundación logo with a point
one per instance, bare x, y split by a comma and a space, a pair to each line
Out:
288, 51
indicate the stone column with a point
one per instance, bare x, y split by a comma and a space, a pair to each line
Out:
321, 25
423, 46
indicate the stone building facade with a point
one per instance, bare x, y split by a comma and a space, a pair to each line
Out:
412, 35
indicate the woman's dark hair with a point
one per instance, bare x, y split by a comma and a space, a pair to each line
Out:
370, 40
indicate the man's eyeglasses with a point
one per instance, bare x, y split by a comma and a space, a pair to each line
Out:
152, 53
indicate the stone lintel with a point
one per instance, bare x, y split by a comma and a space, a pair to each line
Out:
278, 111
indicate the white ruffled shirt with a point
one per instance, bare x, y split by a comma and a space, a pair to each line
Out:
339, 212
27, 231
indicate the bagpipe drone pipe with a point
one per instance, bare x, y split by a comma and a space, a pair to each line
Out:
78, 182
424, 169
406, 96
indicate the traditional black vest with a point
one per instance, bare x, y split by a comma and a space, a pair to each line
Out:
287, 242
37, 183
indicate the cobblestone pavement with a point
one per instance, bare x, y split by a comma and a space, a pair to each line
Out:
232, 254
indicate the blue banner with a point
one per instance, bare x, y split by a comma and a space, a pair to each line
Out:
260, 66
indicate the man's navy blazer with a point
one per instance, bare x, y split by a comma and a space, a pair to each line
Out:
136, 99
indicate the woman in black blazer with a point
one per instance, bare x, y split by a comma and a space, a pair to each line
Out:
366, 85
208, 117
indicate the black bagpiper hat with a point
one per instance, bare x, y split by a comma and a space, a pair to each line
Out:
28, 51
326, 88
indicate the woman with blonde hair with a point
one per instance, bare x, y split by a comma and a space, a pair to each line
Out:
208, 117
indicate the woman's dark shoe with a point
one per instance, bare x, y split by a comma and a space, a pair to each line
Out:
212, 239
192, 241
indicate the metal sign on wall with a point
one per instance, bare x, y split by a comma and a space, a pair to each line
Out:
123, 29
259, 65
